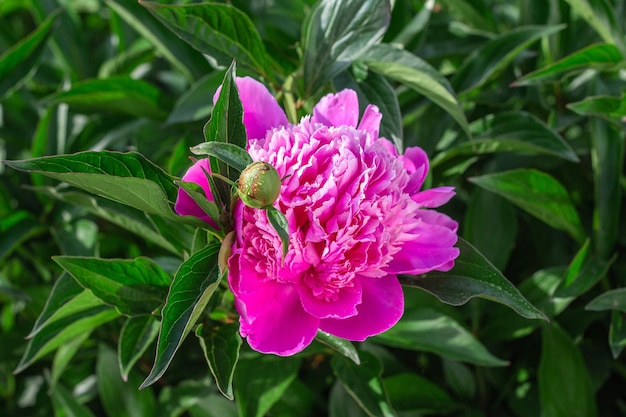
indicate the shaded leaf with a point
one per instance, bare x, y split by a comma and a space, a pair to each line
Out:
261, 381
428, 330
412, 393
604, 106
617, 333
220, 31
600, 16
15, 228
408, 69
133, 287
136, 337
609, 300
473, 276
279, 222
564, 383
363, 383
583, 273
17, 62
65, 405
221, 350
190, 292
196, 103
486, 62
600, 56
337, 33
229, 153
539, 194
120, 94
343, 346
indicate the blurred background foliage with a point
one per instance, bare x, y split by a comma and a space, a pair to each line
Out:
533, 142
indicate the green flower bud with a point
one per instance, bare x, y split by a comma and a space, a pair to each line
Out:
259, 185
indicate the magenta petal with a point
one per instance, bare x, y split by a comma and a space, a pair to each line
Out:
279, 324
381, 308
185, 206
434, 197
345, 304
341, 109
261, 111
415, 162
370, 122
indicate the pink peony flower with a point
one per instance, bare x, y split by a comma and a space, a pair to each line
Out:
356, 216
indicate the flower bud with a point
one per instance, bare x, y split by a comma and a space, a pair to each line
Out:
259, 185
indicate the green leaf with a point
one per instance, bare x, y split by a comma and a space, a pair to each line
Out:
412, 393
15, 228
280, 224
518, 132
341, 403
610, 300
337, 33
375, 89
18, 61
617, 334
539, 194
600, 16
343, 346
120, 398
473, 276
196, 103
229, 153
604, 106
460, 378
583, 273
489, 60
196, 192
429, 330
221, 350
190, 292
62, 330
221, 32
408, 69
185, 58
120, 94
127, 178
260, 382
133, 287
363, 383
601, 56
65, 405
64, 355
136, 337
564, 384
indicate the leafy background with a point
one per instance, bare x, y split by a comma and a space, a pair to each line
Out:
519, 104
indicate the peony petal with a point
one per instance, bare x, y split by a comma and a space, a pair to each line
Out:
261, 111
345, 305
341, 109
415, 162
280, 324
185, 206
370, 122
381, 308
434, 197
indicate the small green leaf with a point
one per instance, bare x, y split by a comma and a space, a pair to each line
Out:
489, 60
120, 94
343, 346
583, 273
17, 62
603, 106
337, 33
261, 381
221, 350
412, 393
136, 337
65, 405
518, 132
190, 292
610, 300
600, 56
428, 330
408, 69
127, 178
196, 192
280, 224
363, 383
473, 276
133, 287
564, 385
617, 333
15, 228
229, 153
539, 194
121, 398
221, 32
196, 103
